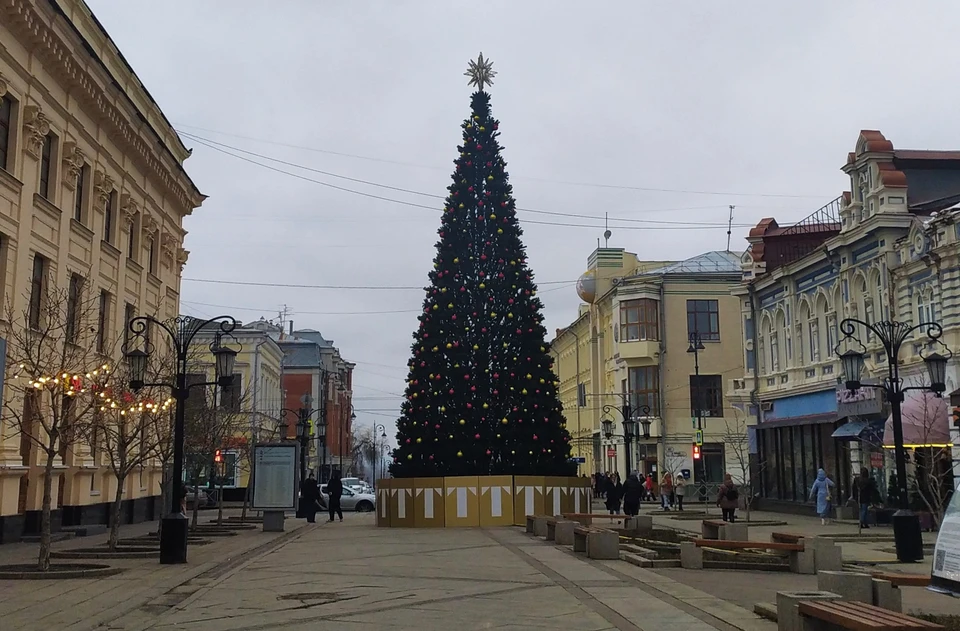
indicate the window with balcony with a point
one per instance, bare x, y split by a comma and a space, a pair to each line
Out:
706, 396
103, 321
703, 318
38, 286
6, 132
639, 320
643, 387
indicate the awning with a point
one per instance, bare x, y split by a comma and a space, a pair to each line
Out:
924, 420
854, 430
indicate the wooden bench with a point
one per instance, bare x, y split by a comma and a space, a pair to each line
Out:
716, 529
552, 526
857, 616
902, 580
710, 528
531, 519
785, 537
596, 543
748, 545
587, 518
801, 560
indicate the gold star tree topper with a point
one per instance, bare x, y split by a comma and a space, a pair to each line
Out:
481, 72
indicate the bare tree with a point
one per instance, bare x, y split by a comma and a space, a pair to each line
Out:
931, 476
58, 375
749, 470
128, 430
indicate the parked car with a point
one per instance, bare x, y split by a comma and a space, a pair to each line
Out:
356, 484
352, 500
198, 497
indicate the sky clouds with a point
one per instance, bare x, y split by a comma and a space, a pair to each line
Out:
749, 103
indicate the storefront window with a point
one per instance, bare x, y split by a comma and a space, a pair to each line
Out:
811, 458
771, 463
788, 462
799, 492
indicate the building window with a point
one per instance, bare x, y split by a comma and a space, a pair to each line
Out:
79, 202
814, 327
38, 286
774, 353
129, 313
152, 254
103, 321
230, 395
132, 240
638, 320
73, 308
706, 395
703, 318
643, 386
46, 157
6, 133
108, 217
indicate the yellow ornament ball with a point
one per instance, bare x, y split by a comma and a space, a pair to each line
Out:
510, 315
461, 205
482, 128
449, 345
493, 216
443, 408
463, 421
459, 454
443, 290
499, 230
529, 376
505, 345
476, 117
524, 391
449, 305
419, 440
475, 347
435, 349
435, 307
414, 395
486, 405
483, 286
409, 456
543, 381
493, 314
504, 421
489, 178
456, 260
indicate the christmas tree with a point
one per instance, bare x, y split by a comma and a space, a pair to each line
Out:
481, 396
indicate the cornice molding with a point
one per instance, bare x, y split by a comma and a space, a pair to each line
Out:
58, 57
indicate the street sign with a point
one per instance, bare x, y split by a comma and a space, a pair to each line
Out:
579, 459
700, 437
611, 452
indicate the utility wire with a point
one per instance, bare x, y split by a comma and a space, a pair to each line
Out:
672, 225
552, 181
208, 143
217, 281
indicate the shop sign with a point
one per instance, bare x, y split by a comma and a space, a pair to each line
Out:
862, 402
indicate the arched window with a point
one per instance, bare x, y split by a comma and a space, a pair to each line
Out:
780, 331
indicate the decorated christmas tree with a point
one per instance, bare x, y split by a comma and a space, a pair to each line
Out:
481, 396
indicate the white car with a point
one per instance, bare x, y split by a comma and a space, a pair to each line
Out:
352, 500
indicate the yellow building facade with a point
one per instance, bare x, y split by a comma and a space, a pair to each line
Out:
251, 409
629, 343
92, 197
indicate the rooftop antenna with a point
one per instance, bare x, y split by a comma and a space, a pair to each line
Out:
282, 317
606, 232
730, 226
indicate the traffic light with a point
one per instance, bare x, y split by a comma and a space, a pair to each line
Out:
956, 416
696, 452
218, 456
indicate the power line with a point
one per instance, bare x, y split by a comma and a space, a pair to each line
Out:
266, 309
671, 226
216, 281
205, 141
552, 181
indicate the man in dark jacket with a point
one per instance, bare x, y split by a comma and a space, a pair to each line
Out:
632, 494
335, 492
309, 498
865, 492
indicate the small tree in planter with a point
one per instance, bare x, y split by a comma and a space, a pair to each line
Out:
57, 373
749, 470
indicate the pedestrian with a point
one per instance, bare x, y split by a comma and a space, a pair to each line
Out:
727, 498
865, 493
614, 493
822, 490
632, 494
666, 491
335, 492
310, 498
680, 488
648, 488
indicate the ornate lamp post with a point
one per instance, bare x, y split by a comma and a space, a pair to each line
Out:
376, 452
173, 530
630, 421
892, 335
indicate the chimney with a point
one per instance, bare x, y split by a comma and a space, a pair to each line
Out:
291, 328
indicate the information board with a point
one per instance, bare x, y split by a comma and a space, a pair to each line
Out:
275, 477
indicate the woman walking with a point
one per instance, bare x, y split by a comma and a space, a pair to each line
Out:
727, 498
666, 492
632, 494
614, 493
822, 491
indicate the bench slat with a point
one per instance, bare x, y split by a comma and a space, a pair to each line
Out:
903, 580
785, 537
715, 522
743, 545
857, 616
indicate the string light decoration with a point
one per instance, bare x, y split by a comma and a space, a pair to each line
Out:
481, 394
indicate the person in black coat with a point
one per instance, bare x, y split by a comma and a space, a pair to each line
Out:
614, 493
310, 498
633, 492
335, 492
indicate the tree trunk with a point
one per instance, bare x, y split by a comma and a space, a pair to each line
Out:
165, 494
246, 502
115, 510
196, 503
43, 559
220, 504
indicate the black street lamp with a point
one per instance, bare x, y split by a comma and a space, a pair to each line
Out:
173, 530
630, 421
892, 335
353, 417
376, 454
696, 345
303, 415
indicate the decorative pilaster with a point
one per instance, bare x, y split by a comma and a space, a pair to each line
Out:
182, 256
103, 185
168, 248
73, 160
128, 209
4, 85
36, 127
149, 225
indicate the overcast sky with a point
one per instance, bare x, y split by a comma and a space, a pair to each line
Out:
646, 111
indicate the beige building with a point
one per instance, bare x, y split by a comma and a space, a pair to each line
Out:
886, 250
92, 197
631, 338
